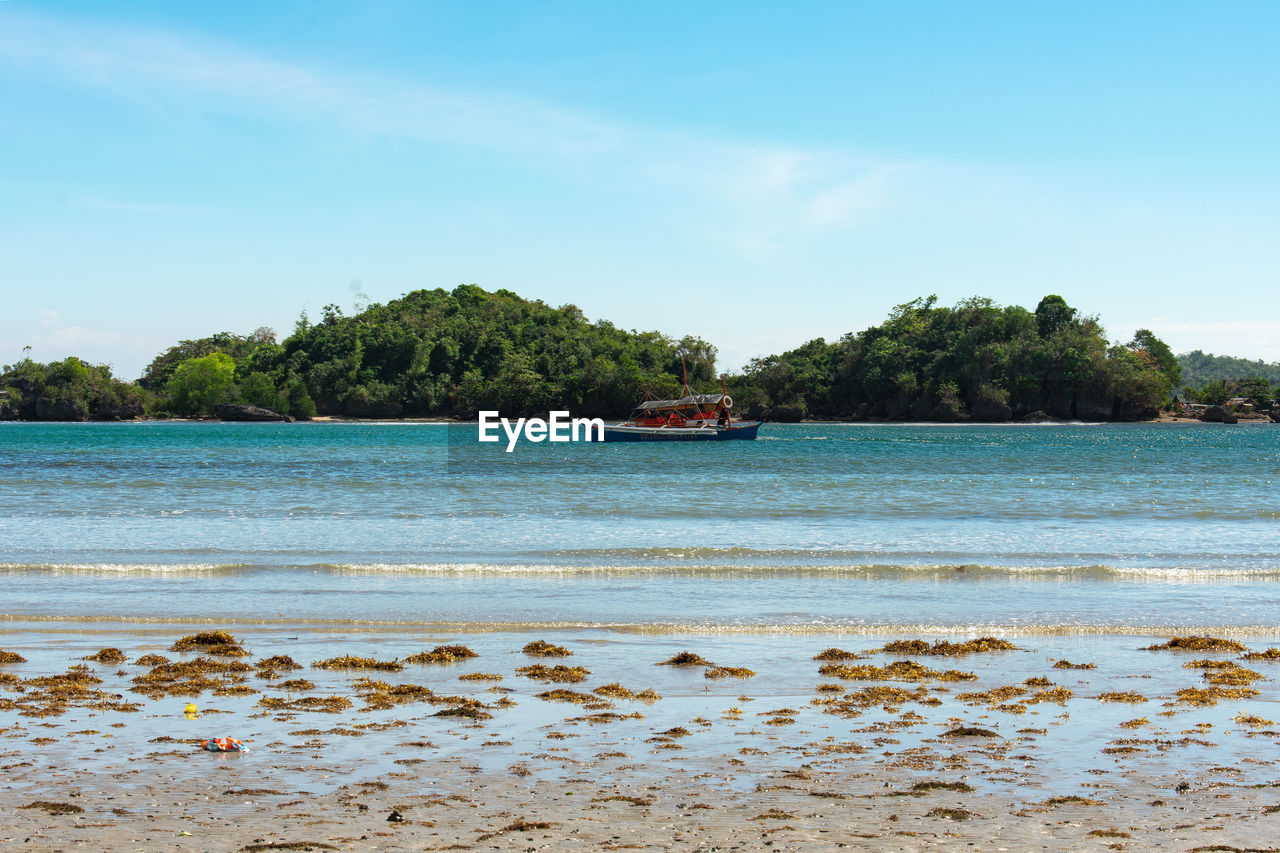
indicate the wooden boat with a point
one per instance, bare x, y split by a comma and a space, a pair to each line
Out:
691, 417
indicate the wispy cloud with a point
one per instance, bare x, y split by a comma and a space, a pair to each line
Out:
764, 196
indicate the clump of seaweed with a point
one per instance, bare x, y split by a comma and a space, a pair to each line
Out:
1129, 696
187, 678
558, 674
994, 696
1107, 833
277, 662
1252, 720
220, 643
442, 654
686, 658
1198, 644
614, 690
53, 808
107, 655
950, 814
470, 712
1038, 681
324, 704
1070, 800
1136, 723
1225, 672
728, 672
943, 647
774, 814
902, 670
919, 789
517, 826
1066, 664
296, 685
543, 649
352, 662
1270, 654
1211, 695
562, 695
151, 660
7, 656
836, 654
968, 731
480, 676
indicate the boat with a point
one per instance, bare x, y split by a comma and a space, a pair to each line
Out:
690, 417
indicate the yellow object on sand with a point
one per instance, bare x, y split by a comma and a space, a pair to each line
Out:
192, 710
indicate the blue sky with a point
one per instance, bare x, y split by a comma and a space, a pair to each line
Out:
757, 174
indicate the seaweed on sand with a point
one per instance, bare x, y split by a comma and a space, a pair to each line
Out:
902, 670
480, 676
325, 704
728, 672
559, 674
1270, 654
1129, 696
543, 649
562, 695
1066, 664
945, 648
220, 643
686, 658
950, 814
276, 662
442, 654
517, 826
836, 654
1197, 644
151, 660
7, 656
968, 731
107, 655
352, 662
53, 808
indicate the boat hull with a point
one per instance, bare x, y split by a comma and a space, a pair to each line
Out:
746, 430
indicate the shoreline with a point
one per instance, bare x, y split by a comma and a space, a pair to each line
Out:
775, 760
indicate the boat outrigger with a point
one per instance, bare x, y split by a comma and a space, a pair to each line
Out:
691, 417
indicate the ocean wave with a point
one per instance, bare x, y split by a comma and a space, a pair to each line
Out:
728, 567
832, 628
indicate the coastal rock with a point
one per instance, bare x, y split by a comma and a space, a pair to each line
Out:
58, 410
784, 414
1275, 414
121, 412
1038, 417
241, 412
1093, 409
991, 411
1217, 415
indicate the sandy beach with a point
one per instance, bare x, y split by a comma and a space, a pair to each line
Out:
873, 745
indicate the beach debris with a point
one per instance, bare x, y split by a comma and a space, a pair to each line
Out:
1197, 644
442, 654
1066, 664
836, 654
353, 662
220, 643
943, 647
543, 649
518, 826
395, 817
7, 656
728, 672
685, 658
558, 674
107, 655
53, 808
223, 744
191, 710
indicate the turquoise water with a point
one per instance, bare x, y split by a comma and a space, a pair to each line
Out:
811, 528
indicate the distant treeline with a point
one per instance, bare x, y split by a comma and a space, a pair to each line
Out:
451, 353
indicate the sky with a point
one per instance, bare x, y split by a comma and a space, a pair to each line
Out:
758, 174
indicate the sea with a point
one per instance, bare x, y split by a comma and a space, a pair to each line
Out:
812, 528
1079, 543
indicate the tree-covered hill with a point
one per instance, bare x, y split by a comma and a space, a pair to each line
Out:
1199, 367
451, 353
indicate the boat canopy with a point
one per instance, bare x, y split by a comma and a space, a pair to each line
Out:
683, 402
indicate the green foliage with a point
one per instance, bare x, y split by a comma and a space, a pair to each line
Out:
66, 390
1198, 367
239, 347
977, 359
200, 383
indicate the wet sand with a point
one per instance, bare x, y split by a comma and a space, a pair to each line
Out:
879, 752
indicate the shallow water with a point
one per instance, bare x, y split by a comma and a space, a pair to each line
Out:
810, 528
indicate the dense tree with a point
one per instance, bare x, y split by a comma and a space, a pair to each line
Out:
198, 384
